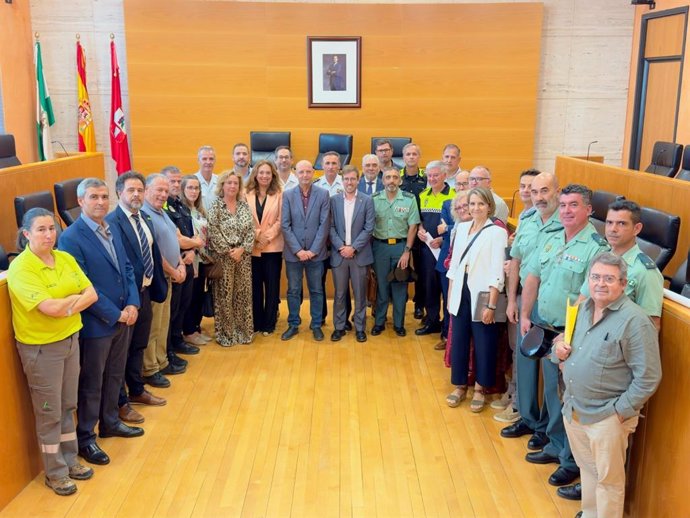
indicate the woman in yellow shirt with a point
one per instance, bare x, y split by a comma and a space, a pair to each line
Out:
48, 290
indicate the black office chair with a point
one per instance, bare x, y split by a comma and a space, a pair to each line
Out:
342, 144
43, 199
264, 144
5, 258
680, 282
8, 152
665, 159
66, 200
397, 143
684, 173
659, 236
600, 207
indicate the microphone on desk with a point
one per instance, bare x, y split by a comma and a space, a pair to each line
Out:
589, 147
512, 202
63, 147
655, 160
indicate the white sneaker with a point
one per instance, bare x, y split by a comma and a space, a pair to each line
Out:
509, 415
194, 339
205, 337
502, 403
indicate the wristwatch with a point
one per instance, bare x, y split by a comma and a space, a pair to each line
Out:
407, 248
491, 306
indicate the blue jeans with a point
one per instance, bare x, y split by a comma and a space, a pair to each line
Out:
313, 271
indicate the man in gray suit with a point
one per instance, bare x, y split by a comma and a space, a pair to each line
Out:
305, 222
352, 222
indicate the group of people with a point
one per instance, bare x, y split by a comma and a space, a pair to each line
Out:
141, 274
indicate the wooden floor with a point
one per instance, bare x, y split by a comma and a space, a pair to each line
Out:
306, 429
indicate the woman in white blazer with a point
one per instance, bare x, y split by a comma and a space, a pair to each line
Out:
475, 266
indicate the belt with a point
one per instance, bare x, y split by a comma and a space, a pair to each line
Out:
392, 240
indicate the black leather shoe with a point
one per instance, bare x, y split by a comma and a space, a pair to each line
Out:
157, 380
400, 331
185, 348
573, 492
318, 334
562, 477
337, 335
92, 453
537, 441
175, 359
428, 330
348, 325
377, 330
122, 430
173, 369
517, 429
418, 313
361, 336
539, 457
291, 332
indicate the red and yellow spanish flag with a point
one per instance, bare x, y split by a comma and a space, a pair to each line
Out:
87, 135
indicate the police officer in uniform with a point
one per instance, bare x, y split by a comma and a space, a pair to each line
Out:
557, 273
431, 202
414, 181
536, 226
397, 218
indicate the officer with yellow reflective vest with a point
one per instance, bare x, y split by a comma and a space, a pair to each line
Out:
431, 202
397, 218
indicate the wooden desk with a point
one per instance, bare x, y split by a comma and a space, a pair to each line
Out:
647, 189
40, 176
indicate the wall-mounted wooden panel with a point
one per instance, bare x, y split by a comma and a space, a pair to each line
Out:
211, 72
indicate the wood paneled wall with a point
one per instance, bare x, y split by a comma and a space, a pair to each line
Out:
18, 77
210, 72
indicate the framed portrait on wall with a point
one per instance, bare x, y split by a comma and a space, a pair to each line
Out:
334, 70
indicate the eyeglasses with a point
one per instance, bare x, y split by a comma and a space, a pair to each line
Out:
477, 179
462, 185
464, 206
607, 279
384, 150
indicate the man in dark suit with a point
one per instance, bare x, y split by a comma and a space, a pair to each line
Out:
103, 340
352, 222
305, 223
143, 253
370, 183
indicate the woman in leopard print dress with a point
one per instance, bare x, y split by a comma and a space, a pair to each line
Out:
231, 237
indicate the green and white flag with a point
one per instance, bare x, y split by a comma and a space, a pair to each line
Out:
44, 109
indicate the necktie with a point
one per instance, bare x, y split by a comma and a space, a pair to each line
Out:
108, 244
369, 188
145, 250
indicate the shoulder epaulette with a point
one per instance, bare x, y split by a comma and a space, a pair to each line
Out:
646, 261
528, 213
599, 239
377, 193
408, 194
552, 230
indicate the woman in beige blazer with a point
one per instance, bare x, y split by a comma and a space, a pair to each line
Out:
265, 199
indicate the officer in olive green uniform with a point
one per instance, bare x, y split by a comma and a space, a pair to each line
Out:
562, 269
397, 218
645, 282
529, 239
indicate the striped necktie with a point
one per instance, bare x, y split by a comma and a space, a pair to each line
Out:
369, 188
145, 249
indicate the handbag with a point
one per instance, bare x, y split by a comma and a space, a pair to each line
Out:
207, 303
214, 271
500, 313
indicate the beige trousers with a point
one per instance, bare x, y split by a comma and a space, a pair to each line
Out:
156, 353
599, 450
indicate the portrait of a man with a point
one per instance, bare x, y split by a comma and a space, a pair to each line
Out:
334, 72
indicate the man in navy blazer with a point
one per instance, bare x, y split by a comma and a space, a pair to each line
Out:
370, 183
142, 251
305, 222
104, 337
352, 222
